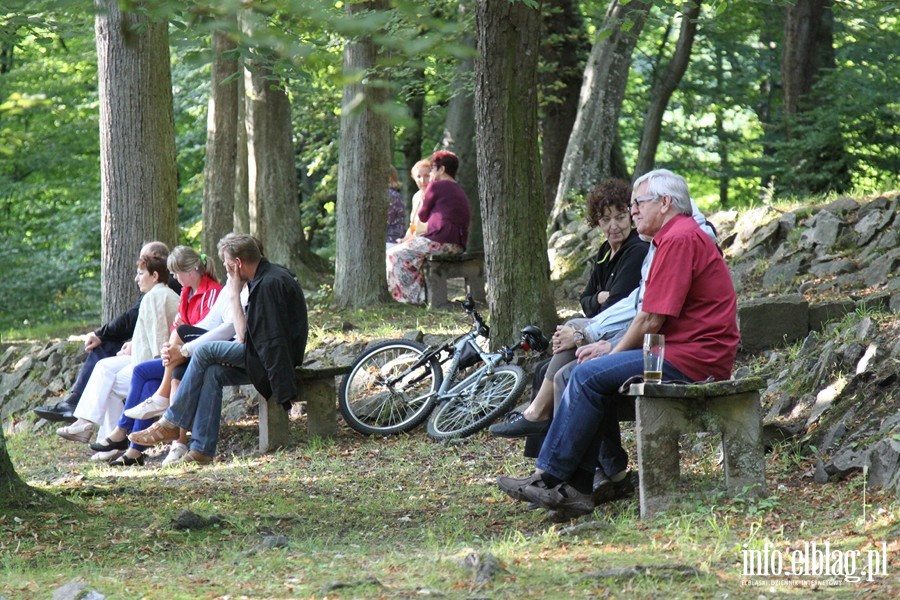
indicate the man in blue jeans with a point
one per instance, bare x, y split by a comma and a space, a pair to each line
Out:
270, 341
689, 297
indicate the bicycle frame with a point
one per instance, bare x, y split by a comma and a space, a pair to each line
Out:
490, 359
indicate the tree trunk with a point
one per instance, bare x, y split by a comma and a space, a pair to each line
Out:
512, 203
241, 166
564, 50
665, 86
272, 175
362, 202
765, 110
16, 496
808, 56
412, 140
459, 137
221, 147
137, 146
591, 145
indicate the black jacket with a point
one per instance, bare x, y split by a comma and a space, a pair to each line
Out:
618, 275
277, 328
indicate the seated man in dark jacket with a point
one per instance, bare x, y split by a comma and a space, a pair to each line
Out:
271, 340
102, 343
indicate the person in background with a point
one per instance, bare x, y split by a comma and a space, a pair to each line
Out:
199, 295
101, 403
270, 341
396, 219
99, 344
421, 174
446, 210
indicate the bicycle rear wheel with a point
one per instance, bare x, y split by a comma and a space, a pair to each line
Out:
475, 407
387, 391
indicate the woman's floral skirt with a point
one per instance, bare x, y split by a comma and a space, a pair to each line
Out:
405, 279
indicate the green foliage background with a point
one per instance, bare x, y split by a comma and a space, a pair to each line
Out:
725, 107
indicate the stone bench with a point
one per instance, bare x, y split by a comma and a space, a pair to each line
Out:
441, 267
316, 388
665, 411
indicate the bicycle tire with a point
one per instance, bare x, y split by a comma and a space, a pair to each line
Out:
467, 413
370, 407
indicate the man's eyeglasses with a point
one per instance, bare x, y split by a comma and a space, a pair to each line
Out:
636, 202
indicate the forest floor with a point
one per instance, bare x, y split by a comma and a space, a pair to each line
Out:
405, 517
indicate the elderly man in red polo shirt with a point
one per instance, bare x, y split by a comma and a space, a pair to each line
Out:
690, 299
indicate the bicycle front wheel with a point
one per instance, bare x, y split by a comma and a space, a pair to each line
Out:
390, 388
475, 407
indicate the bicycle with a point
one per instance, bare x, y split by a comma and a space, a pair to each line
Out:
395, 385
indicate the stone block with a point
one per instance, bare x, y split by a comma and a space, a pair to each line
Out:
771, 322
819, 314
441, 267
883, 461
782, 274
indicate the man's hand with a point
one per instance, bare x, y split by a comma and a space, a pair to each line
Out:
91, 342
589, 351
126, 350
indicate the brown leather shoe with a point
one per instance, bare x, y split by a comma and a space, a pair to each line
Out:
194, 457
161, 431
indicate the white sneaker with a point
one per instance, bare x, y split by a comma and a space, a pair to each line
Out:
149, 408
176, 453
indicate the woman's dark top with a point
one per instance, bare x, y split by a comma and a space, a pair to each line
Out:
446, 209
618, 275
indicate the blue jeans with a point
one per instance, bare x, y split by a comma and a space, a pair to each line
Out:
197, 405
145, 379
586, 423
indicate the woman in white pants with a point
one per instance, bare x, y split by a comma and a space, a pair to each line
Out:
101, 404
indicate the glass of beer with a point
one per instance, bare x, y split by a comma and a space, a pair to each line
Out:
654, 350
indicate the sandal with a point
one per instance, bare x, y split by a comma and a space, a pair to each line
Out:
161, 431
106, 445
127, 461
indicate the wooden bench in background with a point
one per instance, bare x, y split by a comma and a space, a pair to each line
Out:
665, 411
316, 388
441, 267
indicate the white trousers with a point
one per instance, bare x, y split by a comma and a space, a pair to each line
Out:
103, 399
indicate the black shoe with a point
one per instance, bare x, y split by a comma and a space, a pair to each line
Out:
562, 497
59, 412
606, 490
127, 461
106, 445
513, 485
516, 425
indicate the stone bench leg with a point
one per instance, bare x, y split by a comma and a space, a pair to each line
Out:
661, 421
321, 407
436, 291
738, 418
274, 426
658, 426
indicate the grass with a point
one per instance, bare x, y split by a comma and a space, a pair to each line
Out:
43, 331
405, 517
396, 518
